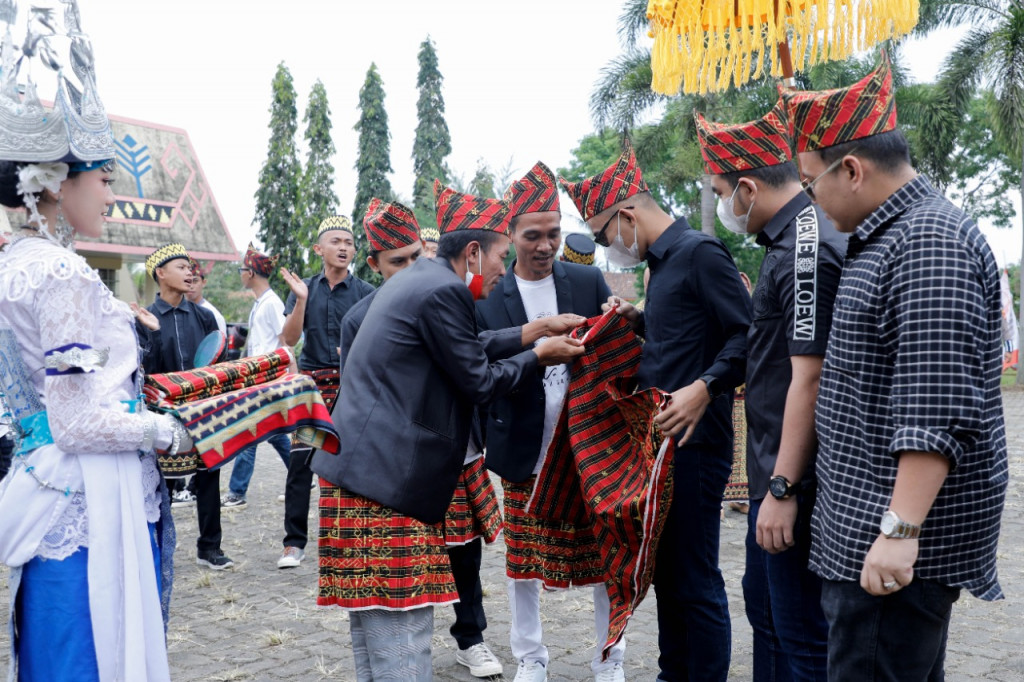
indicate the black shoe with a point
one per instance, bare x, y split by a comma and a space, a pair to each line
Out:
215, 560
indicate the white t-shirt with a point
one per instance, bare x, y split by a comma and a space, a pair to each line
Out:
221, 324
266, 320
540, 300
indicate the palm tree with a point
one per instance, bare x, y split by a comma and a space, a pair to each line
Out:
990, 55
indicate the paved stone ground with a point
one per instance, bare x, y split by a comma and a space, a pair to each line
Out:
260, 623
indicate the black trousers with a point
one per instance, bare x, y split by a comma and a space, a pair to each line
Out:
206, 487
470, 621
296, 497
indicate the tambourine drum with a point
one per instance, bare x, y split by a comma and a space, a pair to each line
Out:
210, 348
181, 465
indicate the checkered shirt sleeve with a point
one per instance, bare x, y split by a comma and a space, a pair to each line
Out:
913, 364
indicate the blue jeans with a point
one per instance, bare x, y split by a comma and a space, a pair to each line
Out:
694, 631
245, 461
783, 604
900, 637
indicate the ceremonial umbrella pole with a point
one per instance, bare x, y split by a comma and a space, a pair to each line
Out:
702, 46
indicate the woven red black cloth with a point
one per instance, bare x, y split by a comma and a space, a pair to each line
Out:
535, 192
389, 225
328, 381
166, 390
608, 463
456, 211
373, 557
826, 118
259, 263
473, 512
226, 424
743, 146
619, 181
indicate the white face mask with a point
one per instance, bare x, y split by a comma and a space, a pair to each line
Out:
618, 254
733, 222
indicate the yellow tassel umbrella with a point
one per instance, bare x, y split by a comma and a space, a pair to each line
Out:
703, 45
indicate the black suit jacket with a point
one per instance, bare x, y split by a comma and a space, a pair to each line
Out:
515, 423
414, 372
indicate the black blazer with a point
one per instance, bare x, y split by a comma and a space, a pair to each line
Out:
414, 372
515, 423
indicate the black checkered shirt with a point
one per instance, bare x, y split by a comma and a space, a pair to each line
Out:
913, 364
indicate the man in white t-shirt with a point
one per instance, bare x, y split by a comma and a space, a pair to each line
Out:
540, 552
266, 320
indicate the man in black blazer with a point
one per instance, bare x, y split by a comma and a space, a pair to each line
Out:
412, 377
519, 425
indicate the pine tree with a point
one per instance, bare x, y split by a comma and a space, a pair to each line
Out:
433, 143
317, 199
277, 197
373, 162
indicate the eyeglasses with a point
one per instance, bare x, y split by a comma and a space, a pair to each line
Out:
241, 270
808, 186
601, 238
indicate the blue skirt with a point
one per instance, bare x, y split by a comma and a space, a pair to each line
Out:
53, 627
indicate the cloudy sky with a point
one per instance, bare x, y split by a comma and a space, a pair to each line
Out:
518, 77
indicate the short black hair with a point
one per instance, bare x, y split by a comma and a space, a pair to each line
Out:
772, 176
452, 244
889, 151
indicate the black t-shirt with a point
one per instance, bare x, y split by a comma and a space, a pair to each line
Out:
793, 300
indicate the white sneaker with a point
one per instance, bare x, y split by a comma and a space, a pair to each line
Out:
291, 557
182, 498
531, 671
480, 660
613, 674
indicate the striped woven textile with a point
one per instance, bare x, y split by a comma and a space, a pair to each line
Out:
737, 488
473, 512
169, 389
557, 553
609, 463
373, 557
328, 381
224, 425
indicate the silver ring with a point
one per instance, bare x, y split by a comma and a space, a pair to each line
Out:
891, 585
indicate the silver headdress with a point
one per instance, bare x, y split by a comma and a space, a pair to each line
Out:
77, 130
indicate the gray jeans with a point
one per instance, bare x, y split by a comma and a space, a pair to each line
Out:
392, 645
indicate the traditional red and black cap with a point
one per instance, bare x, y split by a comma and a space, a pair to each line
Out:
535, 192
457, 211
257, 262
827, 118
390, 225
743, 146
616, 183
579, 248
197, 269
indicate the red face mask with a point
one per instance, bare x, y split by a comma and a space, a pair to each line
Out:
475, 282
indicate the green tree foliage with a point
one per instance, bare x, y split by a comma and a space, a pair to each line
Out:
433, 142
317, 197
482, 184
373, 163
277, 197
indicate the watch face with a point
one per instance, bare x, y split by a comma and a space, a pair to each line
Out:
888, 524
777, 487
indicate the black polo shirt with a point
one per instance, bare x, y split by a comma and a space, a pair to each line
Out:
695, 323
793, 301
172, 348
325, 307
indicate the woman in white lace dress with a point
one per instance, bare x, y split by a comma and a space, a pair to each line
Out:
81, 509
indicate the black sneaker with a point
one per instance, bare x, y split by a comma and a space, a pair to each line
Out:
214, 560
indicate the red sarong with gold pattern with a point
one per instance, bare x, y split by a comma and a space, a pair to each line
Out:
609, 465
373, 557
473, 512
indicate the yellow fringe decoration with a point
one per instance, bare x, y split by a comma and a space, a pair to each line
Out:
703, 46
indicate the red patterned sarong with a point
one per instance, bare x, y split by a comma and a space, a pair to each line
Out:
473, 512
608, 463
558, 553
328, 381
373, 557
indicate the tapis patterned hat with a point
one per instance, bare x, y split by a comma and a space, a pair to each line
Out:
616, 183
257, 262
535, 192
743, 146
389, 225
457, 211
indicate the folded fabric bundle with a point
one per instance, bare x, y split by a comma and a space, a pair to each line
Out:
166, 390
608, 464
223, 425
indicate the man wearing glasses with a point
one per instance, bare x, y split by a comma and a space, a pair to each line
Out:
912, 464
695, 325
266, 321
759, 193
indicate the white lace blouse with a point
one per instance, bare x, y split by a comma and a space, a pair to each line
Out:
52, 299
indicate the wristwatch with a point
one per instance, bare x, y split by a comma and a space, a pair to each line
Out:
713, 384
781, 488
892, 526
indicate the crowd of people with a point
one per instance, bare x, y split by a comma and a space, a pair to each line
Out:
870, 349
